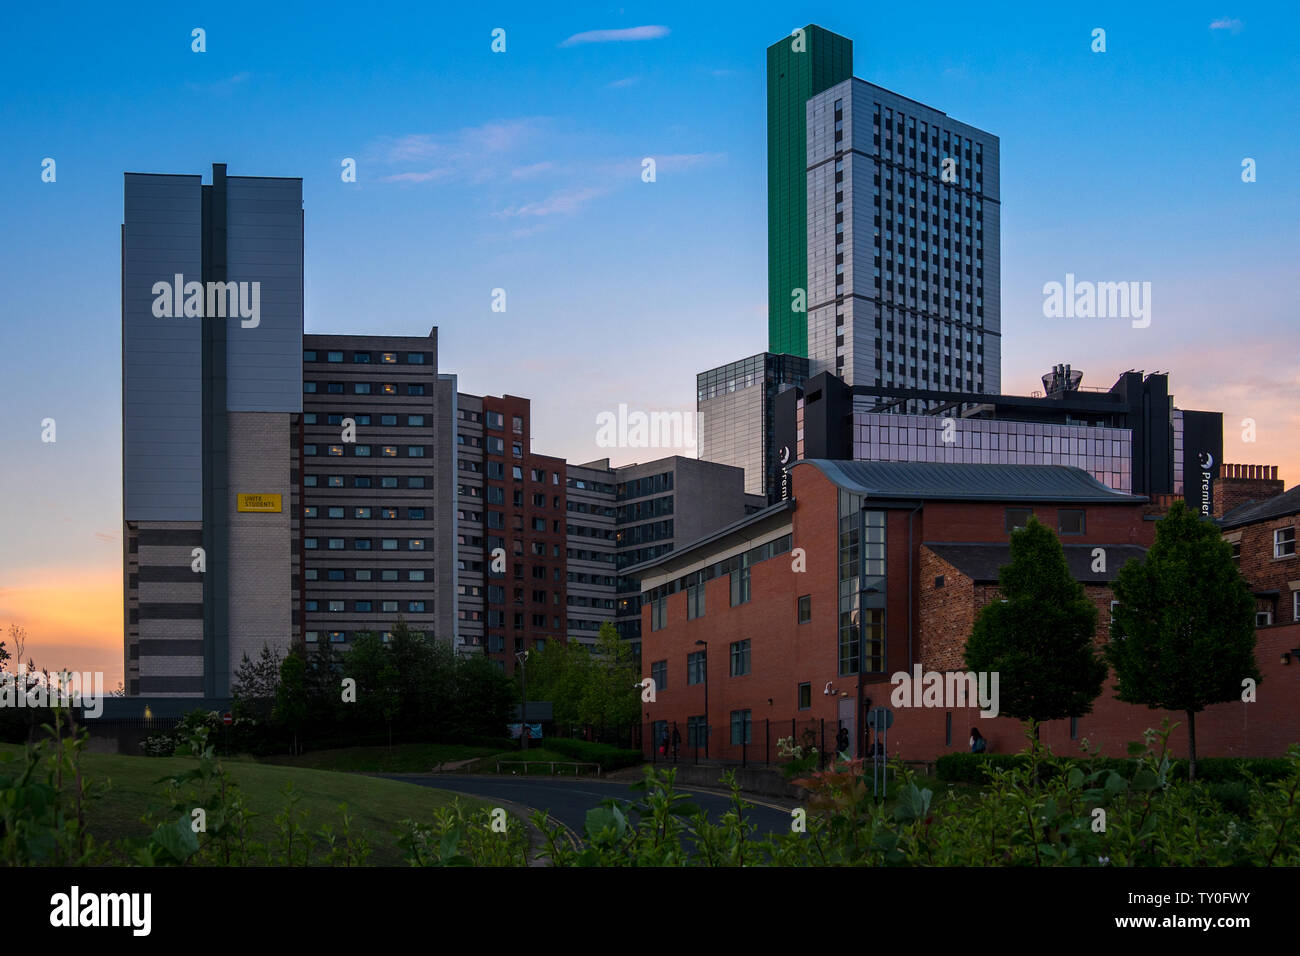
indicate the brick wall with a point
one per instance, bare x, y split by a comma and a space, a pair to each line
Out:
1238, 484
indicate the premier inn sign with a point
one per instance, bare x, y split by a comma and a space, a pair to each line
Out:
258, 502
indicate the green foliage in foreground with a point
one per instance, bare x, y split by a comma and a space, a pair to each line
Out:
1042, 813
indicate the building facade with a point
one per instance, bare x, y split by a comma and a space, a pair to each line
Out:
212, 320
736, 404
800, 615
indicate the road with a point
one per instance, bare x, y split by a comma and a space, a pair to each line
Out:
568, 800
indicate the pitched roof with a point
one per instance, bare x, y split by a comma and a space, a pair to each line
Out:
981, 562
919, 480
1287, 503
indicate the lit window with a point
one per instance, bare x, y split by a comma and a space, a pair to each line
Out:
388, 389
388, 358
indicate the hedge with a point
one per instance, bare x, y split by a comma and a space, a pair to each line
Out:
609, 758
969, 768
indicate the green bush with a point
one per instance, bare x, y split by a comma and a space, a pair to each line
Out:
585, 751
970, 768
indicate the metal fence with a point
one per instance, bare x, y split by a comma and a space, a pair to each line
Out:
751, 743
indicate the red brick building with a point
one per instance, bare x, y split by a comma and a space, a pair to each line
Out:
763, 616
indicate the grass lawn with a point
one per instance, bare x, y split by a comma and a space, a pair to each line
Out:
129, 787
402, 758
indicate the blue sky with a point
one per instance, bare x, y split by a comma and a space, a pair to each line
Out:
521, 171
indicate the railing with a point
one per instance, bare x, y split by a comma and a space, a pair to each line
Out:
550, 763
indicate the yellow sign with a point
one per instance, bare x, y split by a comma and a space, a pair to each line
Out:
258, 502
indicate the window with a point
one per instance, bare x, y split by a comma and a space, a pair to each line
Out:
740, 727
740, 586
389, 575
362, 451
659, 672
388, 389
695, 664
805, 696
309, 512
695, 601
335, 451
334, 356
388, 419
389, 481
362, 574
388, 358
336, 544
697, 732
739, 658
309, 481
360, 358
416, 606
336, 606
415, 390
389, 451
1070, 521
309, 387
1263, 618
309, 356
361, 481
388, 544
494, 445
361, 544
415, 482
336, 512
309, 449
414, 358
805, 609
360, 512
415, 544
416, 421
338, 637
494, 420
388, 607
1295, 605
361, 388
1236, 550
415, 514
1018, 518
311, 637
309, 418
415, 575
1284, 543
659, 614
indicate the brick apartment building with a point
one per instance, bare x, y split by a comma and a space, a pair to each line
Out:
767, 609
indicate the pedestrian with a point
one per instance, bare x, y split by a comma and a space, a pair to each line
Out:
978, 744
663, 743
677, 741
842, 743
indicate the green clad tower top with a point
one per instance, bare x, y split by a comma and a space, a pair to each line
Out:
799, 66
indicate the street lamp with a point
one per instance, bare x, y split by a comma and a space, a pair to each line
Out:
705, 645
522, 658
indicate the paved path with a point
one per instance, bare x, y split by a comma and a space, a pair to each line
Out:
568, 800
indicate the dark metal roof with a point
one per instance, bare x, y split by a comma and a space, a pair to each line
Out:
1287, 503
981, 562
944, 481
133, 708
715, 537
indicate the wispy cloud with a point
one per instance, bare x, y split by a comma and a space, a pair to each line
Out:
626, 81
617, 36
1226, 23
562, 202
224, 86
475, 153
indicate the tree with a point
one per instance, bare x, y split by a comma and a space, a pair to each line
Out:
256, 682
559, 673
1039, 637
371, 664
610, 698
1184, 631
291, 694
484, 697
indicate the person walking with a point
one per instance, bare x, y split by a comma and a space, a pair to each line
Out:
842, 743
677, 741
978, 744
663, 743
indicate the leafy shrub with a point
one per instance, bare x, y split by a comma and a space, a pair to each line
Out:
585, 751
973, 768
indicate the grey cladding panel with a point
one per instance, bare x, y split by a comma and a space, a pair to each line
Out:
264, 244
161, 358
